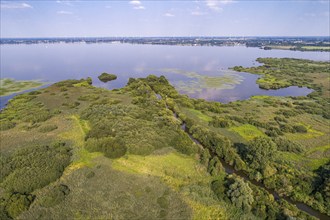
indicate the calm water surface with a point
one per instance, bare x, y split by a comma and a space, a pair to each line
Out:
55, 62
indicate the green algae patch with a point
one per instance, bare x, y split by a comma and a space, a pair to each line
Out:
197, 82
9, 86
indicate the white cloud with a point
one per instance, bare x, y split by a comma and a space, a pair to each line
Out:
217, 5
14, 5
135, 2
169, 15
68, 3
137, 5
64, 12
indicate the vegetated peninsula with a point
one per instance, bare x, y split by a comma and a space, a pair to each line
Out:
145, 151
10, 86
106, 77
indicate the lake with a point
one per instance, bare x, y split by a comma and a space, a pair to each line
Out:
198, 71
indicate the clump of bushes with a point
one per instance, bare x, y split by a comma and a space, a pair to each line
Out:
6, 125
34, 167
111, 147
54, 195
284, 144
299, 129
220, 122
240, 194
106, 77
28, 169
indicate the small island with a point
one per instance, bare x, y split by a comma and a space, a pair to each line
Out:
106, 77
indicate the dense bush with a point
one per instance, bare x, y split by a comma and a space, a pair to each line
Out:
111, 147
219, 122
219, 188
6, 125
217, 144
18, 203
260, 152
240, 194
54, 195
215, 166
34, 167
299, 129
284, 144
22, 108
26, 170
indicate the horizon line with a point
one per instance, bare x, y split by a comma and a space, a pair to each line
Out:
165, 36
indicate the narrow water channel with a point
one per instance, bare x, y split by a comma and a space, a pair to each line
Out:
231, 170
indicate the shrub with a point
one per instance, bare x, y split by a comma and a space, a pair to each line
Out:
284, 144
111, 147
219, 189
299, 129
18, 203
34, 167
241, 195
6, 125
220, 123
261, 151
54, 196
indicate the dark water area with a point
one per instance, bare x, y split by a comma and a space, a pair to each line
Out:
55, 62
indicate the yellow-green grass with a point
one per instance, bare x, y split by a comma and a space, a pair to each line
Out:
281, 47
320, 148
200, 115
76, 135
316, 47
309, 163
177, 171
269, 80
10, 86
260, 97
247, 131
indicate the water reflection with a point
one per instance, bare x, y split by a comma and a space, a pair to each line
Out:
55, 62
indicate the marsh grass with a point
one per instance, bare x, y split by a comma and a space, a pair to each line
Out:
10, 86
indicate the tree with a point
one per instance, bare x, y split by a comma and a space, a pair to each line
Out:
261, 151
241, 195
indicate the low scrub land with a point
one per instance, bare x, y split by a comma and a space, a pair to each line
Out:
74, 151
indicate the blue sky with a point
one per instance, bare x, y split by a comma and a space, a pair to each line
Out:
164, 18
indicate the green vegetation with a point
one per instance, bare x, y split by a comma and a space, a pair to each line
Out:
100, 154
106, 77
298, 47
10, 86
